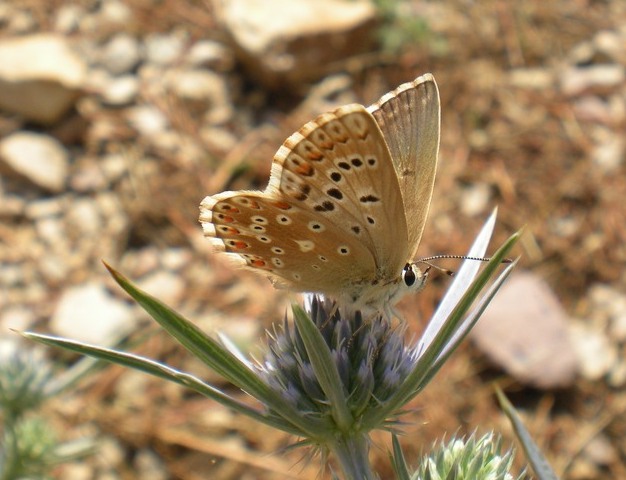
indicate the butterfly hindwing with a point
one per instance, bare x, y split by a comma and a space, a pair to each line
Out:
287, 242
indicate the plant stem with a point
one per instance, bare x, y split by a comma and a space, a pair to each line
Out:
352, 452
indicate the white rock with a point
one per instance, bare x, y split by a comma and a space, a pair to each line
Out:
608, 155
203, 91
88, 177
575, 81
45, 207
51, 231
592, 108
600, 450
111, 453
12, 206
148, 465
612, 44
54, 267
617, 374
618, 327
284, 41
21, 21
218, 138
37, 157
474, 199
196, 84
115, 12
165, 286
535, 78
148, 120
79, 470
141, 262
176, 258
164, 49
121, 54
17, 318
13, 348
596, 354
40, 76
211, 55
90, 314
83, 218
121, 91
68, 18
114, 166
97, 80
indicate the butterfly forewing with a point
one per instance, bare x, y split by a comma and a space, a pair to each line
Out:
340, 167
409, 118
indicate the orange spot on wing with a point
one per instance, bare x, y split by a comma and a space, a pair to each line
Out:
228, 208
314, 155
282, 205
304, 169
258, 263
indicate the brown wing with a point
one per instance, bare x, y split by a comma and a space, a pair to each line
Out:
409, 118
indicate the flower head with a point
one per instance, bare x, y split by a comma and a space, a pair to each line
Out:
370, 356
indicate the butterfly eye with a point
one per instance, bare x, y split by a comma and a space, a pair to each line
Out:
408, 275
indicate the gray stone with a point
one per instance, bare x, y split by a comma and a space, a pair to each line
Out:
39, 158
526, 331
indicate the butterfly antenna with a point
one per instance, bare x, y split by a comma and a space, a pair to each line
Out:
450, 273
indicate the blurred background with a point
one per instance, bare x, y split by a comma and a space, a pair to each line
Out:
118, 116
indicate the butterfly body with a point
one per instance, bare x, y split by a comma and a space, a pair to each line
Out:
346, 204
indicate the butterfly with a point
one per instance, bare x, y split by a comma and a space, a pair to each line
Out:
346, 203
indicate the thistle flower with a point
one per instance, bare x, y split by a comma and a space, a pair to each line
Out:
370, 357
29, 447
472, 459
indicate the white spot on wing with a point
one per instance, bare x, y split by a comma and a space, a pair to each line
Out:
305, 245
